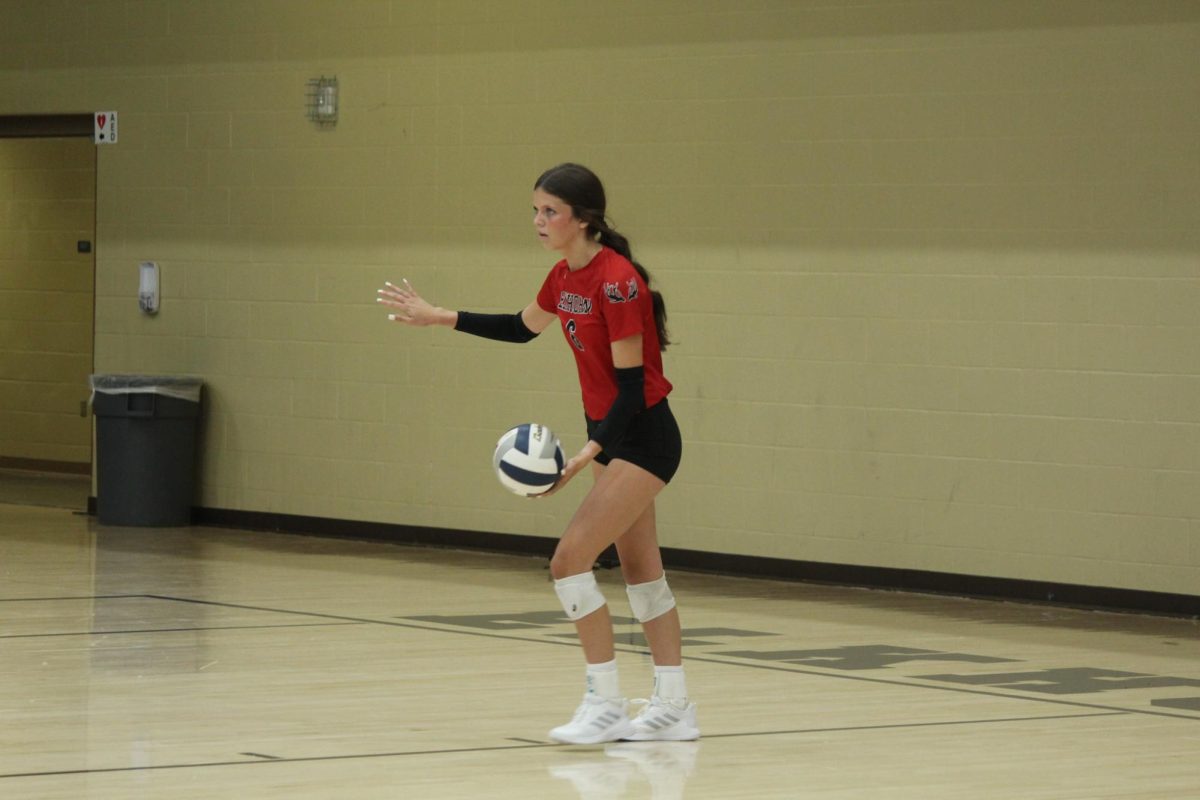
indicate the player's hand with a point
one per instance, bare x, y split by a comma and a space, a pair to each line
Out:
411, 308
574, 466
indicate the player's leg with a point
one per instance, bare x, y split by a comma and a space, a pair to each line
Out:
620, 494
669, 715
641, 565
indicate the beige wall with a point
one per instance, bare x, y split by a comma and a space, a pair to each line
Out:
47, 204
934, 269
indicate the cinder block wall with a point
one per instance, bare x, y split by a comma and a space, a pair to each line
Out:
47, 205
934, 269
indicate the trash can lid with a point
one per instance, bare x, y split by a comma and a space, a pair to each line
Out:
183, 387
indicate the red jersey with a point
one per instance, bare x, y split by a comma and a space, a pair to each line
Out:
604, 302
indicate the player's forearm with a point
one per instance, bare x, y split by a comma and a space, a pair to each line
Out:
500, 327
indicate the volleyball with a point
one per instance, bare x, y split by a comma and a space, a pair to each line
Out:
528, 459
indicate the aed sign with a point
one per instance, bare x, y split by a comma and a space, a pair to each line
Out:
105, 129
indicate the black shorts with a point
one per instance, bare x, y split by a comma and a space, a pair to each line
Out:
651, 441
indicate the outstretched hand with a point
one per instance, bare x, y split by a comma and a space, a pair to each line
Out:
411, 308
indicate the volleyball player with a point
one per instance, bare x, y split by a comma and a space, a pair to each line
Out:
616, 327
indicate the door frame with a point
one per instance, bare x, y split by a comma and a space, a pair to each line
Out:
34, 126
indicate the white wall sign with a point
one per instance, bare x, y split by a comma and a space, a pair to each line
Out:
105, 129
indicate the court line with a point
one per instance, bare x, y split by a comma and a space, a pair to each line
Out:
80, 597
907, 683
945, 723
176, 630
261, 759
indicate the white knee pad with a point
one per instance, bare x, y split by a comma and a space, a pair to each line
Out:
650, 600
578, 594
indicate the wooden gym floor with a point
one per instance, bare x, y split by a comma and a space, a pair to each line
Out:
206, 663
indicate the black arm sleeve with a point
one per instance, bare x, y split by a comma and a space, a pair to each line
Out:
631, 398
501, 327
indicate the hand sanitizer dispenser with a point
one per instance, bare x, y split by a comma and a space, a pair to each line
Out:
148, 288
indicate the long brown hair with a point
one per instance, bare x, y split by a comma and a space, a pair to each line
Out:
578, 187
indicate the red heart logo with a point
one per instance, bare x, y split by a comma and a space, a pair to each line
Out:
101, 119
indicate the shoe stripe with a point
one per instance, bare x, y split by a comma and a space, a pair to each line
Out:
664, 721
606, 719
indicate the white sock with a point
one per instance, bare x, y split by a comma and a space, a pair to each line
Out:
602, 680
670, 685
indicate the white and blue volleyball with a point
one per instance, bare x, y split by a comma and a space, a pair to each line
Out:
528, 459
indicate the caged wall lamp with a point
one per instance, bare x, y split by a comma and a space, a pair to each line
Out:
321, 101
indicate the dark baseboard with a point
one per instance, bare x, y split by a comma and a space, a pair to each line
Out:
511, 544
943, 583
42, 465
886, 578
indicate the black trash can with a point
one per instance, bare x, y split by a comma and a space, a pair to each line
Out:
145, 448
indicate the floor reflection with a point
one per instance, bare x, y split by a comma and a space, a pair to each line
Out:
624, 767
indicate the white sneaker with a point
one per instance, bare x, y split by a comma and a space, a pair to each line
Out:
596, 720
663, 721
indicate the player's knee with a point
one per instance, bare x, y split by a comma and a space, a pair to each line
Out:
579, 594
562, 564
650, 600
569, 559
635, 570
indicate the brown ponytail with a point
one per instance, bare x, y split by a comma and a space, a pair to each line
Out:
610, 238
